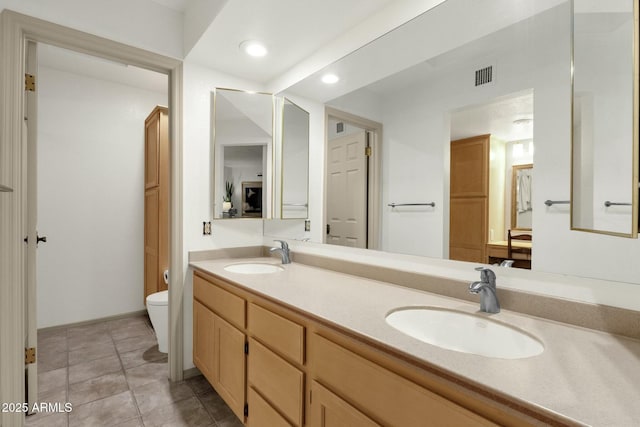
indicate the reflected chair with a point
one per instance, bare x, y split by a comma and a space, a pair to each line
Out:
516, 249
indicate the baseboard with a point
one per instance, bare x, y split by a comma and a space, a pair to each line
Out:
191, 372
92, 321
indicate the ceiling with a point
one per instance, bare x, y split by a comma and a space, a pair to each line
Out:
291, 30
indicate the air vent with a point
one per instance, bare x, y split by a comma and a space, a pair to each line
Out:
484, 75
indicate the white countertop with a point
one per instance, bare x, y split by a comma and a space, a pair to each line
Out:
586, 376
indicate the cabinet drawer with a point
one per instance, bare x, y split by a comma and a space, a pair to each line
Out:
280, 334
277, 380
382, 394
329, 410
261, 414
225, 304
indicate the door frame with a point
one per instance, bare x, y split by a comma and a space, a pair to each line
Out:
15, 30
373, 174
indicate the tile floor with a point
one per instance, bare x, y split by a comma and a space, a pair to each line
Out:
113, 375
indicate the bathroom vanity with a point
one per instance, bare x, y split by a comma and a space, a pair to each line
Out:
303, 345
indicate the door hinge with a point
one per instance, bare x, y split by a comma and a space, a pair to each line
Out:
246, 409
367, 151
246, 348
29, 355
30, 82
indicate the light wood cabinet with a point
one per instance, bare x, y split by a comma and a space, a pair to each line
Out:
156, 200
218, 346
301, 372
328, 410
469, 199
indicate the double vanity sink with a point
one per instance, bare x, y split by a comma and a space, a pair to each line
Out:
444, 328
562, 374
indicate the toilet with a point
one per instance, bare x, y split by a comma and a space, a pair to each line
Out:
158, 309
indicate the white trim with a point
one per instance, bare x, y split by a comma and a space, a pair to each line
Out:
15, 30
374, 178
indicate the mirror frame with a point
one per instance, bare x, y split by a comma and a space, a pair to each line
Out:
635, 178
268, 213
514, 193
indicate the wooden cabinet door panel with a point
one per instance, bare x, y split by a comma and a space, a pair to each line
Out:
261, 414
230, 365
382, 394
280, 334
468, 229
470, 167
203, 341
328, 410
275, 378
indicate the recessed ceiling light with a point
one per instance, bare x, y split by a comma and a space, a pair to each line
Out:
330, 79
253, 48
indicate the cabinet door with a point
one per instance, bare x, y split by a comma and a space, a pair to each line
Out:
262, 414
328, 410
203, 342
230, 365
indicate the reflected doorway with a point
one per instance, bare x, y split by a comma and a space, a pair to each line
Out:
491, 145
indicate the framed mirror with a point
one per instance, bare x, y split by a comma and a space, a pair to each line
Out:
242, 153
294, 162
521, 201
605, 117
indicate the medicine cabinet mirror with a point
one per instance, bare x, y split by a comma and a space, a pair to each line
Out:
605, 117
242, 132
293, 200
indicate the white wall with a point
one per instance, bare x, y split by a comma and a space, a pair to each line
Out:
197, 179
90, 196
140, 23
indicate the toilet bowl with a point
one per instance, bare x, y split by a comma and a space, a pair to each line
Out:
158, 309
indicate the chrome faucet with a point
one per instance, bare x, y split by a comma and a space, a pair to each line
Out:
486, 287
283, 250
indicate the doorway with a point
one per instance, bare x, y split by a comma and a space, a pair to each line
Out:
488, 143
352, 180
15, 300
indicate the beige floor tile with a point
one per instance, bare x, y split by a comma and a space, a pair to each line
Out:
54, 396
199, 385
97, 388
83, 341
232, 421
50, 420
214, 404
94, 368
93, 351
156, 394
144, 374
134, 422
50, 360
53, 344
51, 380
136, 343
141, 356
109, 411
187, 412
131, 331
86, 330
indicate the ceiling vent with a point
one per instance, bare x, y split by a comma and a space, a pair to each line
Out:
484, 75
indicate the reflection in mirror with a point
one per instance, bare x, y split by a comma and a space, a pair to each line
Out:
605, 117
242, 147
294, 200
521, 202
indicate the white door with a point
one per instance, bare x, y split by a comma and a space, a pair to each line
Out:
29, 148
347, 191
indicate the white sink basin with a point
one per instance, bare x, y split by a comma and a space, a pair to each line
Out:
464, 332
253, 268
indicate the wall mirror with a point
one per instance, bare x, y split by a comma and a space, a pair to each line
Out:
605, 117
242, 153
464, 69
293, 201
521, 201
